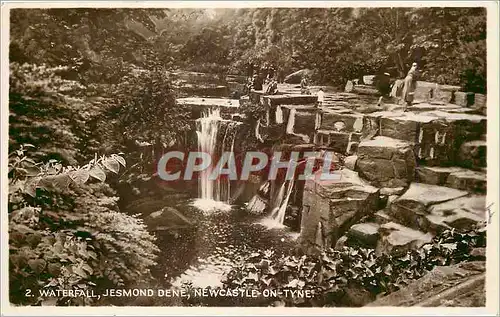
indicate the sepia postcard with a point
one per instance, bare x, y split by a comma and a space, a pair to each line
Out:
250, 158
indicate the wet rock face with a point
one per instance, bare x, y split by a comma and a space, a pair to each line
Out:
332, 207
386, 162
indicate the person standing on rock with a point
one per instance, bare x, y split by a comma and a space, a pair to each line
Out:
321, 97
272, 89
257, 82
304, 89
410, 84
250, 68
383, 84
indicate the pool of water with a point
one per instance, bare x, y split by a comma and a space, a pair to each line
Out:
220, 240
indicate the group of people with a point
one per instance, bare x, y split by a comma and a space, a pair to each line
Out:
267, 75
404, 91
257, 83
258, 77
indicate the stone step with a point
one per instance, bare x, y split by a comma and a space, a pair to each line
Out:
454, 177
472, 181
464, 99
436, 135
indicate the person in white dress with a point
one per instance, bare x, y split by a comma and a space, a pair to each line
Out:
321, 97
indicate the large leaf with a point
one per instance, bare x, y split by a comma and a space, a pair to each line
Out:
112, 165
79, 271
97, 173
60, 181
37, 265
119, 159
80, 176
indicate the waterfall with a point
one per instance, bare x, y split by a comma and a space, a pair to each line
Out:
213, 194
291, 121
277, 217
256, 205
279, 115
207, 130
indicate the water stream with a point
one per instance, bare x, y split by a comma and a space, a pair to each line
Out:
214, 194
224, 234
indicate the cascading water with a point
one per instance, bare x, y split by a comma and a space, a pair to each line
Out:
208, 128
277, 217
213, 193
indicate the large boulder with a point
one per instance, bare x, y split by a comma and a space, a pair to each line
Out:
434, 175
167, 218
331, 207
364, 235
454, 177
350, 162
436, 135
480, 103
463, 214
464, 99
386, 162
404, 126
305, 122
473, 154
349, 86
413, 206
398, 239
296, 77
366, 90
336, 141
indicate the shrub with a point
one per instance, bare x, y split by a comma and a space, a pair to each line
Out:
332, 272
66, 233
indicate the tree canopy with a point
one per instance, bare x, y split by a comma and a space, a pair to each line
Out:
338, 43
